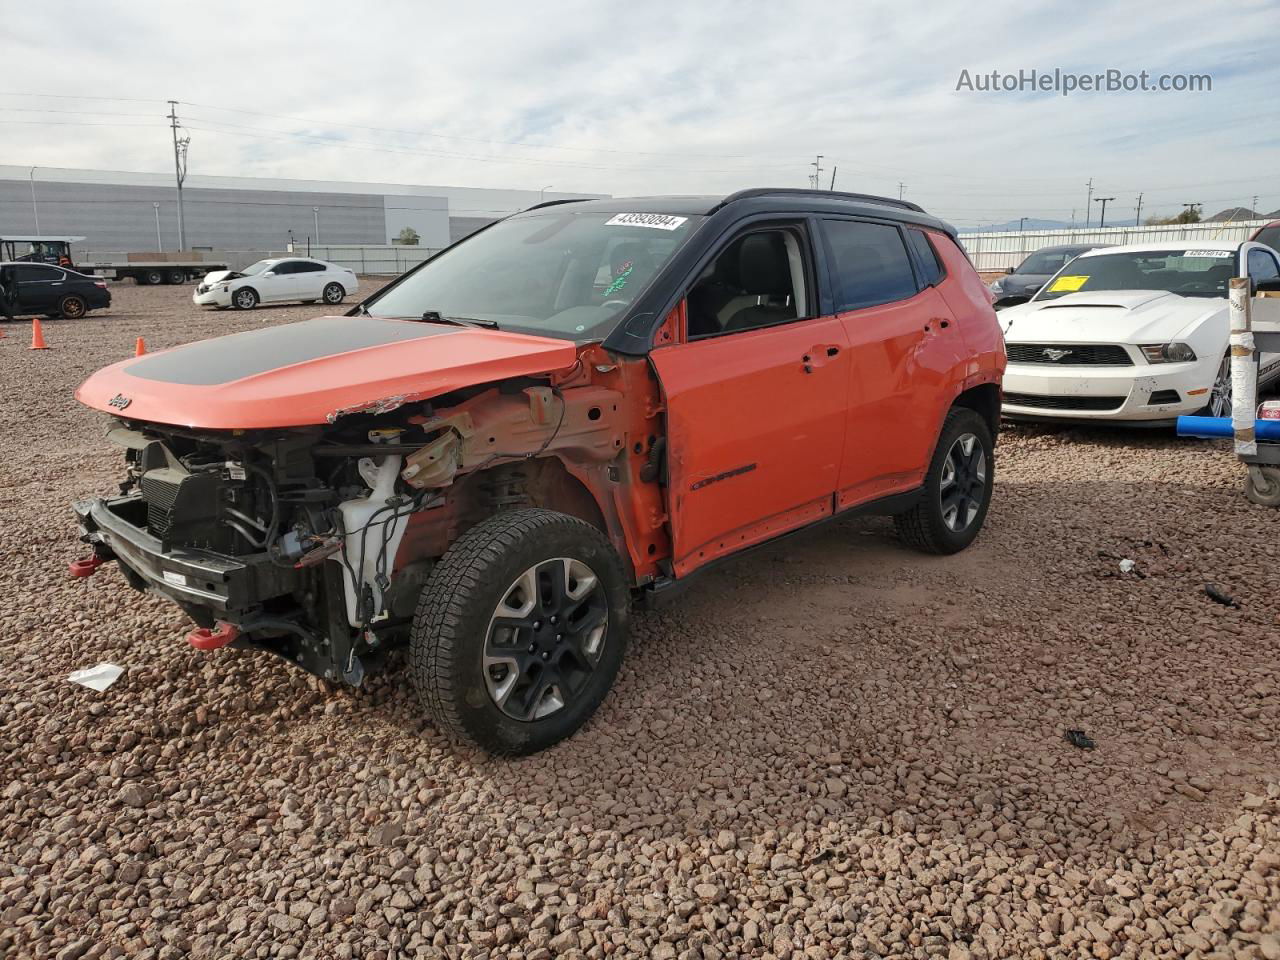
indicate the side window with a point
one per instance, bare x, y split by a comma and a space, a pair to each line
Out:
1262, 265
870, 264
286, 268
30, 273
758, 280
926, 257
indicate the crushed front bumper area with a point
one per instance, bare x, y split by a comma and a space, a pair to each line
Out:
208, 586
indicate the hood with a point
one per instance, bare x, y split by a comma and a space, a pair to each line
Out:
213, 276
313, 372
1121, 316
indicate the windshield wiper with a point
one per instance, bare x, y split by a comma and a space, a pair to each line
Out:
433, 316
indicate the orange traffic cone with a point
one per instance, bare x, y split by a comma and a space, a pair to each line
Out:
140, 348
37, 335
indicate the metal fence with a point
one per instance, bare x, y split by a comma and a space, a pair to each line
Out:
371, 259
1000, 250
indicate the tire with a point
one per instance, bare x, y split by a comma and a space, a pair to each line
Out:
176, 276
965, 455
1219, 404
456, 629
334, 293
246, 298
152, 277
1262, 485
72, 307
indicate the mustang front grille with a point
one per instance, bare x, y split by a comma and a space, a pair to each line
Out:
1070, 354
1043, 402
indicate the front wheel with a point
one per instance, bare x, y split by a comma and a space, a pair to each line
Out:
957, 489
1219, 404
333, 293
520, 631
246, 298
1262, 485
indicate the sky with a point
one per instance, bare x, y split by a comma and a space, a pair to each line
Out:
634, 99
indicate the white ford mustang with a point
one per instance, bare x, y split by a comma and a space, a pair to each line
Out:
274, 281
1136, 334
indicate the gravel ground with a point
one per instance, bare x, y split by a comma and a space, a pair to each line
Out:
830, 748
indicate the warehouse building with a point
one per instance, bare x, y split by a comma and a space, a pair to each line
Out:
118, 211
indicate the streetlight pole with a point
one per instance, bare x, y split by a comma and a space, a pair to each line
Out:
315, 212
35, 210
159, 241
543, 190
1102, 220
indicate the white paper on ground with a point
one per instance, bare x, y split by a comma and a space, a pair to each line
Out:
97, 678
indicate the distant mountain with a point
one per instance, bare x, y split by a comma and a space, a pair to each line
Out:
1235, 213
1012, 225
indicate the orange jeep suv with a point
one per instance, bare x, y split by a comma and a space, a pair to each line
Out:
491, 457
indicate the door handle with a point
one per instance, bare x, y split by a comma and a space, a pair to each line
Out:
823, 351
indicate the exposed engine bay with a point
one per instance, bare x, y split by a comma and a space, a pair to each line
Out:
315, 542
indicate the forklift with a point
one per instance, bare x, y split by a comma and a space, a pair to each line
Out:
51, 250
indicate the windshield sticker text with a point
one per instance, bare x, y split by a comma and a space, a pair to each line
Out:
1068, 284
1207, 253
656, 221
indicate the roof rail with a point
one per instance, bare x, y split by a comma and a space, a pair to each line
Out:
555, 203
837, 194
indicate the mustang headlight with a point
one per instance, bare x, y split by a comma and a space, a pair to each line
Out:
1168, 353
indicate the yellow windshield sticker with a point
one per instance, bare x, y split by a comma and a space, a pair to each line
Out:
1068, 284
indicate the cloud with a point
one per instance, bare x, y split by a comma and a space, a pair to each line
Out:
662, 97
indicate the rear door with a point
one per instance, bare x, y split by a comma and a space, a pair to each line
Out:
903, 347
309, 279
40, 287
755, 399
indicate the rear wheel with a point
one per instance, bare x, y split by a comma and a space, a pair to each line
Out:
957, 489
72, 307
152, 277
333, 293
177, 276
1262, 485
520, 630
246, 298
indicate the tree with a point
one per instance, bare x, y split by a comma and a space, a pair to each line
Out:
408, 237
1189, 215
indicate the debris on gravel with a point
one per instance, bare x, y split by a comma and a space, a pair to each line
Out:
833, 747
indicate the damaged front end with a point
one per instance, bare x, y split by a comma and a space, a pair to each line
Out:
315, 542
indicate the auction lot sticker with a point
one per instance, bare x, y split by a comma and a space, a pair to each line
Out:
1207, 253
658, 221
1068, 284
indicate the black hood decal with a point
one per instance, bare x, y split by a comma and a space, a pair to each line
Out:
240, 355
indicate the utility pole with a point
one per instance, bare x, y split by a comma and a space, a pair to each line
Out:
1073, 218
1254, 208
1102, 222
1088, 203
833, 178
901, 187
817, 172
179, 169
35, 211
1191, 207
1137, 217
1022, 222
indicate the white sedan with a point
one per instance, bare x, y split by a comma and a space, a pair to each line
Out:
1136, 334
276, 281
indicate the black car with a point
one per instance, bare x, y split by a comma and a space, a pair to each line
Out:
41, 289
1023, 281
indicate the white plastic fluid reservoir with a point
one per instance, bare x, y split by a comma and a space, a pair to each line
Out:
369, 523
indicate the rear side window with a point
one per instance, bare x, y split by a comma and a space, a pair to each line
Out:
870, 264
307, 266
931, 271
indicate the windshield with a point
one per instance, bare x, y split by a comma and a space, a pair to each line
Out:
553, 272
1188, 273
1046, 262
255, 268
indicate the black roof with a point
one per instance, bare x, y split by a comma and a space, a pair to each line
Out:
773, 199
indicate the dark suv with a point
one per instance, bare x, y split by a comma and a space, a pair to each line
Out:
44, 290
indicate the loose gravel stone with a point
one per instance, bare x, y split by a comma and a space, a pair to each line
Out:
833, 747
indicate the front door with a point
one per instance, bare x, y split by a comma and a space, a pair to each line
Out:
40, 287
755, 400
282, 284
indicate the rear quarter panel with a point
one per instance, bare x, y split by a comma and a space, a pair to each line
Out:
966, 295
